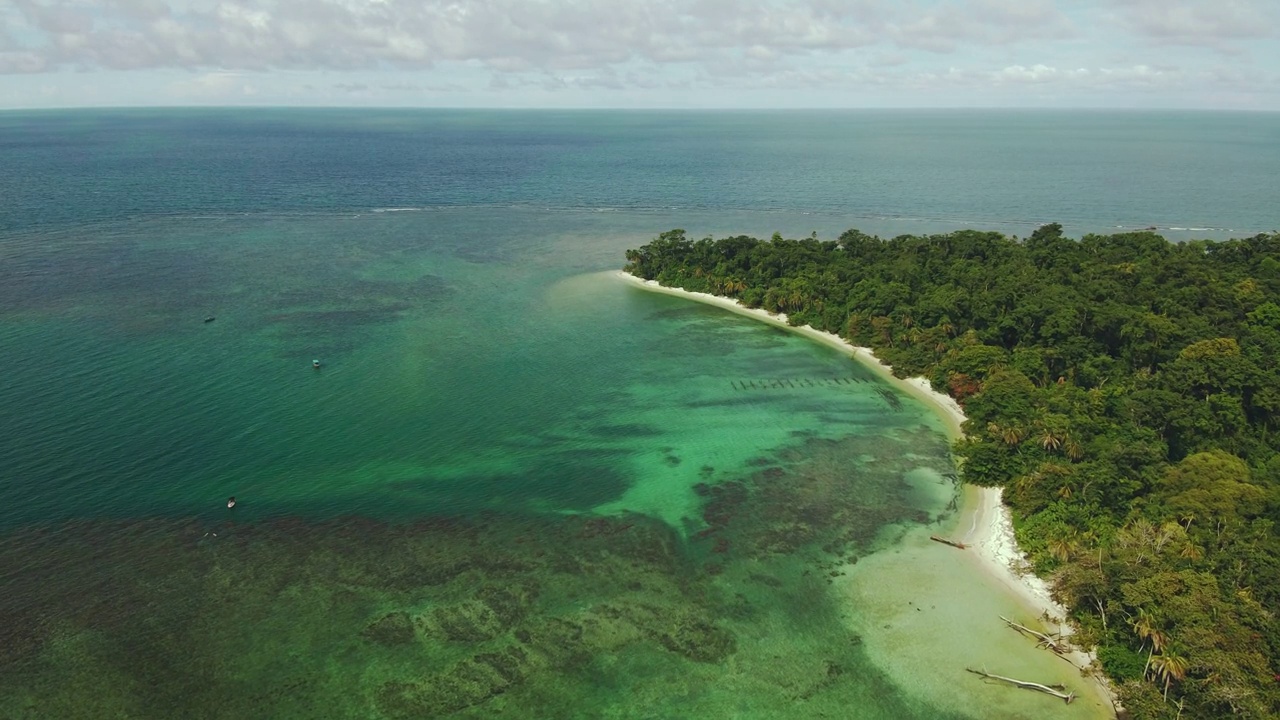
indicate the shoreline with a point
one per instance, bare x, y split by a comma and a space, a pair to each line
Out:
918, 387
989, 534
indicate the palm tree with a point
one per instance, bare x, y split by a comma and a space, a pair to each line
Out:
1166, 534
1159, 641
1013, 435
1023, 484
1050, 440
1170, 666
796, 297
1010, 435
1063, 547
1144, 626
1072, 448
1047, 472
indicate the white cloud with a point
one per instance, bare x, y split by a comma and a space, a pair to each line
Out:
947, 26
22, 62
211, 86
1212, 23
1134, 76
1019, 73
905, 52
583, 34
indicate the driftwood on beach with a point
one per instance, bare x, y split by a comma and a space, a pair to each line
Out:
945, 541
1043, 640
1054, 690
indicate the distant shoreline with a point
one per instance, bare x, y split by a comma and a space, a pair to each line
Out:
989, 534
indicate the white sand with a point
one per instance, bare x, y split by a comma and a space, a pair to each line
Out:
990, 532
991, 535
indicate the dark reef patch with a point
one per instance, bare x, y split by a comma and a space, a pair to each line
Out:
391, 629
466, 616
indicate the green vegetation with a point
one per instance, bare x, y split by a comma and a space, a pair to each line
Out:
1125, 392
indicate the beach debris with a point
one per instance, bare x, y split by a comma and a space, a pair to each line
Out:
1054, 690
1045, 641
944, 541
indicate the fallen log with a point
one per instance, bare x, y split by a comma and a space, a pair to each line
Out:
1044, 640
945, 541
1054, 690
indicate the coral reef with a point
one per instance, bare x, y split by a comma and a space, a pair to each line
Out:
457, 616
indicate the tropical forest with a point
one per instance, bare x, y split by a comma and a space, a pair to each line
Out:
1123, 390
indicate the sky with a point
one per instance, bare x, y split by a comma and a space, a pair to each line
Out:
1189, 54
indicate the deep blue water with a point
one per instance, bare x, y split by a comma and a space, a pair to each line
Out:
1092, 171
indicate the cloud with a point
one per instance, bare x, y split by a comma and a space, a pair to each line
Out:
504, 35
946, 26
15, 62
212, 86
1035, 74
425, 87
998, 83
634, 52
1211, 23
1131, 77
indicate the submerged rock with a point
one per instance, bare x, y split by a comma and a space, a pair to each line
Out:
465, 622
391, 629
698, 639
492, 612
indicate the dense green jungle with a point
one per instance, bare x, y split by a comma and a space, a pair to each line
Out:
1124, 391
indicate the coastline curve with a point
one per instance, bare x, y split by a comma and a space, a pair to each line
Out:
989, 532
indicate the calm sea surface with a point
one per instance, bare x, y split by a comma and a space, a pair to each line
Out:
515, 485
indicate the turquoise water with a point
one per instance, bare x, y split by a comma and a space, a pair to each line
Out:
450, 379
516, 484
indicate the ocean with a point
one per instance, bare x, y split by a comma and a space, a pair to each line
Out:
515, 485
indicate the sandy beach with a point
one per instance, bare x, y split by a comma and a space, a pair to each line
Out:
984, 526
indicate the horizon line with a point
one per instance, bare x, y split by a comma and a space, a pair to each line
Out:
623, 108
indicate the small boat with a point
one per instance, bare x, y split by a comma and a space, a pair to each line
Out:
210, 319
231, 501
315, 364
